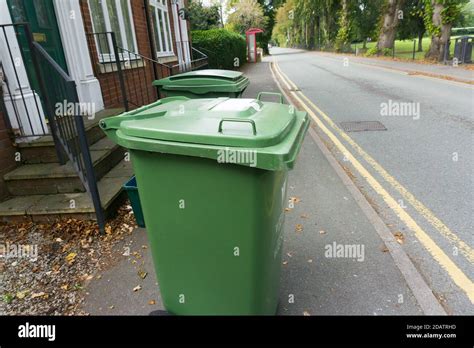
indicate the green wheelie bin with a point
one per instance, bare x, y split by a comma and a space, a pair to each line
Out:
212, 177
208, 83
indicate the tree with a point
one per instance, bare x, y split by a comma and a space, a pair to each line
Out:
330, 8
439, 18
466, 17
269, 10
342, 38
391, 16
283, 24
247, 14
203, 17
366, 15
413, 22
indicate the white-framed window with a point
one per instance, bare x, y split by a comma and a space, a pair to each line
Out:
115, 16
161, 27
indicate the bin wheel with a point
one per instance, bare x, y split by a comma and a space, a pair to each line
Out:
160, 312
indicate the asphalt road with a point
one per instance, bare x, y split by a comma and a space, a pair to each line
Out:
424, 160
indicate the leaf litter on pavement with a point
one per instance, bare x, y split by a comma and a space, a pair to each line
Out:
70, 253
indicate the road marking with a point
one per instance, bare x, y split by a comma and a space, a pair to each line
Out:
462, 246
456, 274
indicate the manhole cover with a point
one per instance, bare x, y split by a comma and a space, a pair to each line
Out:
362, 126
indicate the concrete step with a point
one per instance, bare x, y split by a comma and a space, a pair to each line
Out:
42, 150
51, 178
71, 205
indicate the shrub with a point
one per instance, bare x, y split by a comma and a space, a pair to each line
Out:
222, 47
373, 52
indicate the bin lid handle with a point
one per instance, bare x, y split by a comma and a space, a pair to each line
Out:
252, 122
259, 96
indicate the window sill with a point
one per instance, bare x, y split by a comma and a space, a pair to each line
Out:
167, 58
108, 67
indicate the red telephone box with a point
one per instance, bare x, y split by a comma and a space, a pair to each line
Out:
251, 35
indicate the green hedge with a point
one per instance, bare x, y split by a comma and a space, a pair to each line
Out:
221, 46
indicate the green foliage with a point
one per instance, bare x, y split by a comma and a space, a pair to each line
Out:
375, 51
366, 17
203, 17
413, 24
283, 24
342, 38
224, 48
247, 14
452, 9
466, 17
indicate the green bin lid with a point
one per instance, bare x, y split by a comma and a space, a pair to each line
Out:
202, 127
205, 81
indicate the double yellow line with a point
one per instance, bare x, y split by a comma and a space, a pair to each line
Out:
456, 274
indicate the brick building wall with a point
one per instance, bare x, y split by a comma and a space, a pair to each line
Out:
138, 74
7, 150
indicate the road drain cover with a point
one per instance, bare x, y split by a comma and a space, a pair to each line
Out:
362, 126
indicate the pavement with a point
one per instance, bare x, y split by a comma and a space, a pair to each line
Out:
329, 212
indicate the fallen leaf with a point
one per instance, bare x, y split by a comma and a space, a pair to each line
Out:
295, 199
65, 286
112, 307
322, 232
299, 228
142, 274
137, 288
384, 249
289, 254
21, 294
287, 209
151, 302
306, 314
70, 258
38, 294
304, 216
399, 237
285, 262
108, 229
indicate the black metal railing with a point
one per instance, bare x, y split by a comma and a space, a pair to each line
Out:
22, 103
67, 121
198, 60
127, 76
60, 104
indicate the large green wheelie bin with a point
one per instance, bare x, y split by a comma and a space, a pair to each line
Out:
212, 177
208, 83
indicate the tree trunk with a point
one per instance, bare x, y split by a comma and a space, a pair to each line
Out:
389, 25
420, 41
343, 33
438, 41
311, 34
